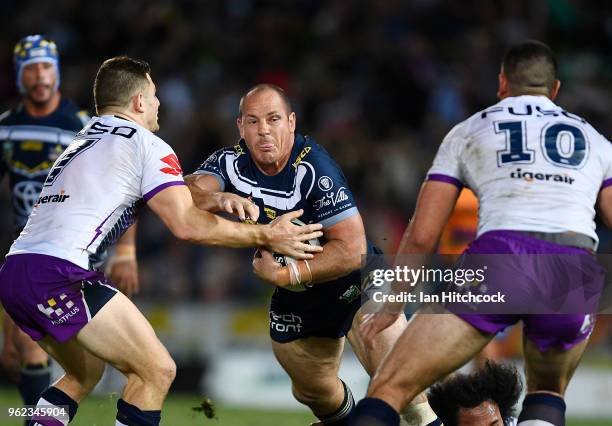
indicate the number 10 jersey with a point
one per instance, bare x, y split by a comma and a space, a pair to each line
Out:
533, 166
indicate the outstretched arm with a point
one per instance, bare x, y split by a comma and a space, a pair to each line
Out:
207, 195
175, 206
434, 207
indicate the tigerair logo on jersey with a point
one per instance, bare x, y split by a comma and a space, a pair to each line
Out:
544, 177
53, 198
174, 167
300, 157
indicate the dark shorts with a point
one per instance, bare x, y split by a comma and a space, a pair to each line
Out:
325, 310
47, 295
544, 330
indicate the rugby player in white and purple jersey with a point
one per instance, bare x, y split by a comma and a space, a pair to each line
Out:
538, 171
92, 194
33, 134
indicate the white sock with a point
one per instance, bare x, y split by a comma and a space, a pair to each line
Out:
417, 415
62, 419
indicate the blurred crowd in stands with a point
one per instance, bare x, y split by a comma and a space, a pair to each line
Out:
378, 83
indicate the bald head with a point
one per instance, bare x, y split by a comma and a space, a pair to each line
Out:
530, 69
264, 88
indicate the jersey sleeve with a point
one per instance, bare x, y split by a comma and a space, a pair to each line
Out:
447, 163
328, 193
161, 168
215, 166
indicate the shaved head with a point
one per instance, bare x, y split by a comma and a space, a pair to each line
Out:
530, 68
265, 87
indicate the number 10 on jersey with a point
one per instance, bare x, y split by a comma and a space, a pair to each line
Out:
562, 144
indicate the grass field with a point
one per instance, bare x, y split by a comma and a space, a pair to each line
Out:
99, 411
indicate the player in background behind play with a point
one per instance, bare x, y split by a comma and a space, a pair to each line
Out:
33, 135
91, 196
524, 158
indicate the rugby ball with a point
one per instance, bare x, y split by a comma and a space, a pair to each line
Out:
286, 260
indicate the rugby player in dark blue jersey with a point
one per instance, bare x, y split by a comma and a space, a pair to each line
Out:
271, 171
33, 135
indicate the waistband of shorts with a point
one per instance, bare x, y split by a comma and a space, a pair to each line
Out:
570, 239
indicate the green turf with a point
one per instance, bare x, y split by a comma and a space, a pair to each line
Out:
100, 411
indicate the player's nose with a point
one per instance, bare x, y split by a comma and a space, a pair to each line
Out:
263, 128
38, 71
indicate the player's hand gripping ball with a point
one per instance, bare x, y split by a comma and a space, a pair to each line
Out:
286, 260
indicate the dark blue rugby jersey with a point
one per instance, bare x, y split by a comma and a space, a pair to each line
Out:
311, 180
30, 146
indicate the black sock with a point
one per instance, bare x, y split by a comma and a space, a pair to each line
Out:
35, 378
543, 406
341, 415
374, 412
130, 415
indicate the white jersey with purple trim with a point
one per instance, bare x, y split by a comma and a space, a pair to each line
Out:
95, 189
533, 166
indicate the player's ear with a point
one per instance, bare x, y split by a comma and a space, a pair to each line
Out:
292, 122
502, 90
555, 90
138, 102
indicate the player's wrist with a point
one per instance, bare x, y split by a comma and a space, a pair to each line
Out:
305, 269
283, 277
262, 235
219, 200
125, 250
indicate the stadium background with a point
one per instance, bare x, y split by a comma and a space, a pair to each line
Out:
377, 83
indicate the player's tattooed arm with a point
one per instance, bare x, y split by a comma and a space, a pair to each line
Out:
207, 195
